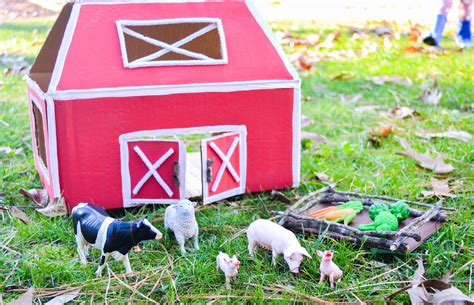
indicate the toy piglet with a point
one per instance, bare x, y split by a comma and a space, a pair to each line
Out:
230, 267
328, 268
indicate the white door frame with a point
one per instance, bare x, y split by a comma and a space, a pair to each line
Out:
154, 135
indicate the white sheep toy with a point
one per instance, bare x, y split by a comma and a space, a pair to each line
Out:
230, 267
180, 219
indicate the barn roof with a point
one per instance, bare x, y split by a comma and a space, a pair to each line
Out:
88, 47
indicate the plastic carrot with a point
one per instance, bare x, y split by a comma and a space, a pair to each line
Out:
337, 213
322, 212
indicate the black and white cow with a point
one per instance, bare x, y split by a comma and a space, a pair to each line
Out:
93, 226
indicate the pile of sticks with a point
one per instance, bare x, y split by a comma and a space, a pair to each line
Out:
293, 219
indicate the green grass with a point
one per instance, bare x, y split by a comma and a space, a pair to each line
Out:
47, 245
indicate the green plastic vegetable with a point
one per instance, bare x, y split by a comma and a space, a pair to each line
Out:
385, 221
376, 208
349, 218
355, 205
400, 210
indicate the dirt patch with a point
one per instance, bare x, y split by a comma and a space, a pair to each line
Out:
22, 9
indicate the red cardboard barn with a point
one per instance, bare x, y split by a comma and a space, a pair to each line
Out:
150, 102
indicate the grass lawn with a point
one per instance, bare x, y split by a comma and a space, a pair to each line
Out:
47, 245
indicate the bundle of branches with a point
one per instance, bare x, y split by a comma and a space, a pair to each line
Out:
294, 218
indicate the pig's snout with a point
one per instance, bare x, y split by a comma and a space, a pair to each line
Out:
296, 270
158, 236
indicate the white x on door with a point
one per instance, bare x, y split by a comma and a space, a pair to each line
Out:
223, 166
154, 171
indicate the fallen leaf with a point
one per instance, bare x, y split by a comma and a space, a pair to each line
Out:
323, 178
20, 214
438, 166
402, 112
382, 80
415, 33
64, 298
376, 136
366, 108
39, 196
306, 121
56, 207
439, 188
412, 49
25, 299
458, 135
276, 195
431, 95
313, 137
329, 41
343, 76
381, 30
9, 151
304, 62
350, 99
313, 39
385, 129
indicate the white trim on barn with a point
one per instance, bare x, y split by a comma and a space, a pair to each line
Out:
149, 60
39, 162
175, 89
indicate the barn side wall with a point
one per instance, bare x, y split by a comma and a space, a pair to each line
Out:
43, 168
88, 132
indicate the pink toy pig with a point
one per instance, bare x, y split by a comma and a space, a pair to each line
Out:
328, 268
279, 240
230, 267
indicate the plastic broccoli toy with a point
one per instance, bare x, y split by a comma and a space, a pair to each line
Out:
376, 208
385, 221
400, 210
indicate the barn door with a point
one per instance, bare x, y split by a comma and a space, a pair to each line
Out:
223, 166
156, 171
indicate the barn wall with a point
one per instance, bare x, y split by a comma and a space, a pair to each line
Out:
88, 132
45, 177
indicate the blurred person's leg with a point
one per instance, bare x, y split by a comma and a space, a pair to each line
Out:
436, 33
463, 38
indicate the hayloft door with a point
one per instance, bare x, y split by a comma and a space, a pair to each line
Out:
223, 166
156, 171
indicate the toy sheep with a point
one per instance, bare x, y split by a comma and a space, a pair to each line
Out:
230, 267
180, 219
328, 268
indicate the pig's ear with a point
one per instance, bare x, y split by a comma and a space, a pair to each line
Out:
304, 252
194, 203
320, 253
234, 257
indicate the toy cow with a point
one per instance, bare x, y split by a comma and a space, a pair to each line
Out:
274, 237
230, 267
93, 226
180, 219
328, 268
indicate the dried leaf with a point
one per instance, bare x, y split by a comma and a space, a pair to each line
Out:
415, 33
412, 49
39, 196
343, 76
20, 214
402, 112
350, 99
367, 108
323, 178
64, 298
306, 121
276, 195
56, 207
313, 137
431, 95
382, 30
439, 188
438, 166
9, 151
25, 299
304, 62
382, 80
458, 135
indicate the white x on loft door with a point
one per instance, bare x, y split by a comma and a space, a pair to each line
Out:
223, 166
155, 170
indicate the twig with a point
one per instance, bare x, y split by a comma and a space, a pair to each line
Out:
286, 289
303, 200
386, 198
132, 289
415, 224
